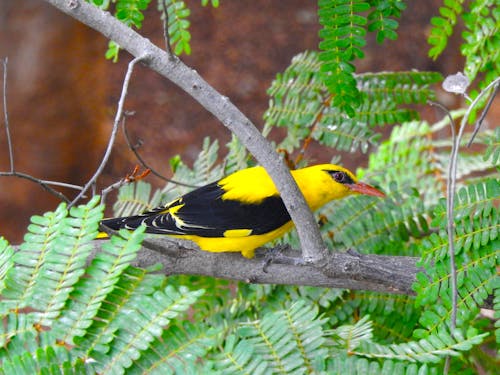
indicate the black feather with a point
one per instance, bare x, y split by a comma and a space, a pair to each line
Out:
206, 214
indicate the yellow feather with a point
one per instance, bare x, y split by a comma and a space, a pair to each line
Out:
245, 245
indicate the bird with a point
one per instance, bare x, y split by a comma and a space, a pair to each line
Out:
243, 210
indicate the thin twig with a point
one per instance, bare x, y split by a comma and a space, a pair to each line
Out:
485, 111
42, 183
118, 116
110, 188
450, 207
450, 213
62, 184
134, 149
6, 115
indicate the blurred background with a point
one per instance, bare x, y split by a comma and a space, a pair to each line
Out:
62, 93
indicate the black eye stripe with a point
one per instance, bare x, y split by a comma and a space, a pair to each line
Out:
341, 177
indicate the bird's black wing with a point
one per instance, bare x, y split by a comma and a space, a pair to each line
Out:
204, 213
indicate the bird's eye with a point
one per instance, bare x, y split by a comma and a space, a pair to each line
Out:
340, 177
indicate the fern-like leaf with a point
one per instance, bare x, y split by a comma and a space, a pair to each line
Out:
237, 157
381, 18
6, 260
50, 360
376, 226
492, 153
430, 350
443, 26
348, 337
149, 316
130, 11
289, 340
343, 37
177, 351
16, 325
22, 280
97, 337
354, 365
301, 102
476, 220
482, 40
64, 265
238, 357
103, 273
204, 171
400, 87
394, 317
178, 26
135, 198
477, 225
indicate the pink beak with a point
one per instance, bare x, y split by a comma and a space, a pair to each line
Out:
366, 189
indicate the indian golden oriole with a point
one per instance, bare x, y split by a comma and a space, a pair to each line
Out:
244, 210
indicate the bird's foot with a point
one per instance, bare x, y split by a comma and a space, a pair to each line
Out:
275, 255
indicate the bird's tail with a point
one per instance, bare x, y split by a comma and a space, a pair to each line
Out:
116, 224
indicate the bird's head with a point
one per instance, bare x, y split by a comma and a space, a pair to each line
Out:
325, 182
344, 181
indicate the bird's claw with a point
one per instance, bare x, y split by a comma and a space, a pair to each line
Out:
276, 255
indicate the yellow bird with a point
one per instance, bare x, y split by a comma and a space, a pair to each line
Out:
244, 210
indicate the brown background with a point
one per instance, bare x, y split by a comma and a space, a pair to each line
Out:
62, 93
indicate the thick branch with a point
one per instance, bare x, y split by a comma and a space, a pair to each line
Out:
391, 274
220, 106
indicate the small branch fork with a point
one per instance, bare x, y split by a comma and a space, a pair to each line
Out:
135, 147
134, 176
496, 87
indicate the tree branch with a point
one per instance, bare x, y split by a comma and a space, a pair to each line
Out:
380, 273
190, 81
